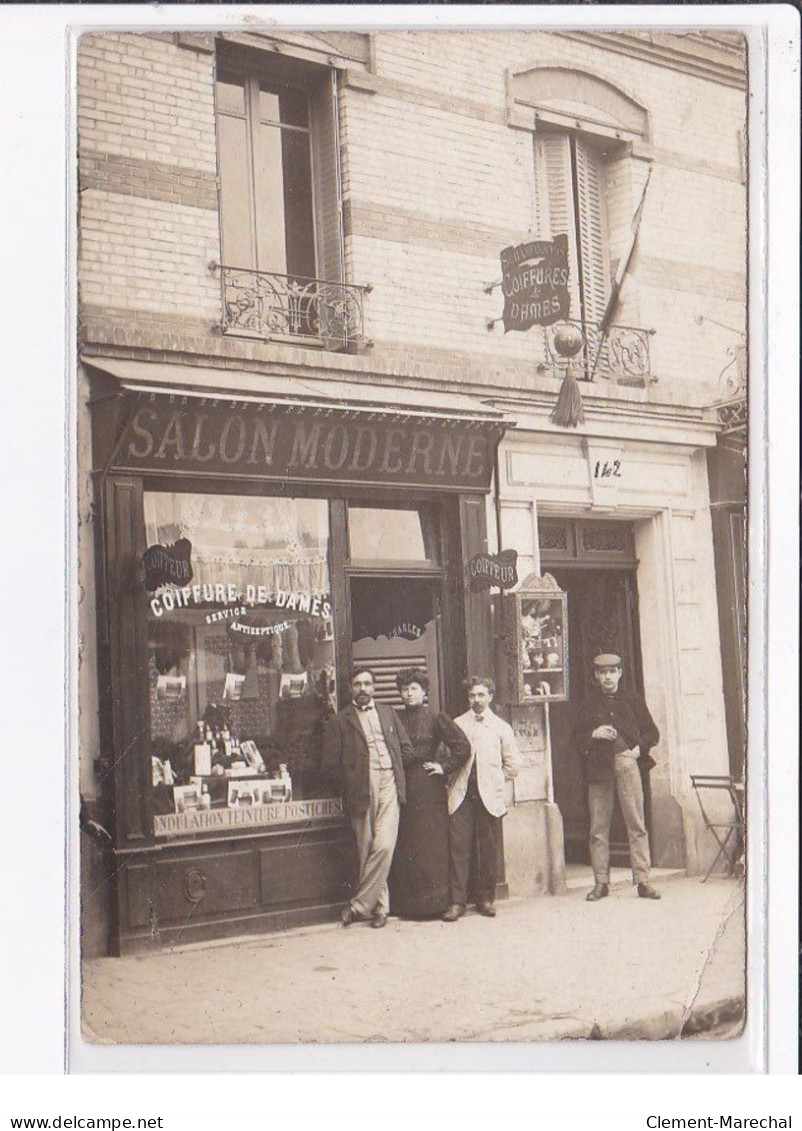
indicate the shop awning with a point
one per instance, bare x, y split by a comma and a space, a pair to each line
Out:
310, 392
184, 419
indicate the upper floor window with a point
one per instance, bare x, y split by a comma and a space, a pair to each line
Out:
265, 152
587, 178
280, 200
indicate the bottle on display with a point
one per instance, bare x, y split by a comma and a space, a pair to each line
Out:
202, 759
286, 781
201, 753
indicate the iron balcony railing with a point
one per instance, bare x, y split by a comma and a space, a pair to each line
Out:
730, 404
264, 304
619, 353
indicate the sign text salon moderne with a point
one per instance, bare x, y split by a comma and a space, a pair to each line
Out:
258, 440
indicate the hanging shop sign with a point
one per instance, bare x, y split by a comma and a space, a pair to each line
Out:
489, 571
534, 280
167, 565
204, 435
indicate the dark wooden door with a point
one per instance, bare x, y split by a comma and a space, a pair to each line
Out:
602, 617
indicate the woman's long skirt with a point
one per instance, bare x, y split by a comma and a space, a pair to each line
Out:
419, 875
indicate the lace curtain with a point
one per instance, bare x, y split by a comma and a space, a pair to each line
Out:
272, 542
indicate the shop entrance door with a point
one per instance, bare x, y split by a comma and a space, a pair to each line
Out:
397, 588
396, 623
602, 617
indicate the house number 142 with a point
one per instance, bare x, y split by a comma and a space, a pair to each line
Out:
607, 469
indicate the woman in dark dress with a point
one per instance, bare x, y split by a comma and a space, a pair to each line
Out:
419, 876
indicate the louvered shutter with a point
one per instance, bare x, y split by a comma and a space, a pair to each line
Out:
238, 240
556, 200
385, 669
326, 180
594, 259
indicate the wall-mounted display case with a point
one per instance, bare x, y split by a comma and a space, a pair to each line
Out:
536, 642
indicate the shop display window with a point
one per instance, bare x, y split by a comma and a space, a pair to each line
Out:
241, 662
536, 637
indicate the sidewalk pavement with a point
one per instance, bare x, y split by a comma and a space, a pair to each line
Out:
546, 968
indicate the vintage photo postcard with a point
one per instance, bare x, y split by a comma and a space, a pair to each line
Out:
411, 433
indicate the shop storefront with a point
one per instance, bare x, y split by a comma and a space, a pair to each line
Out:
250, 547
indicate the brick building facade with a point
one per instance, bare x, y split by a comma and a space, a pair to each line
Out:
314, 222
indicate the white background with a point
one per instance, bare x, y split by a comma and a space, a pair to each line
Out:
35, 391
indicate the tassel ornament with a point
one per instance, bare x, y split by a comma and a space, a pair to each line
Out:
568, 411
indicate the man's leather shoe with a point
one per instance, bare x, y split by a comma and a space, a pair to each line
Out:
600, 891
349, 916
487, 909
454, 912
646, 891
379, 920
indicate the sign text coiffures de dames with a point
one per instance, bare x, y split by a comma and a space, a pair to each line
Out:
272, 442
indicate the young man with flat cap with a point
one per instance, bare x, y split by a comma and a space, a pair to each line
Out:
363, 749
614, 733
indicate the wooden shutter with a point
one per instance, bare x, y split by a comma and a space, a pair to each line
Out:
478, 617
326, 179
555, 193
234, 166
385, 669
553, 168
594, 259
126, 679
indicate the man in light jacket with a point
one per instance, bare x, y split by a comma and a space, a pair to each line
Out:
476, 800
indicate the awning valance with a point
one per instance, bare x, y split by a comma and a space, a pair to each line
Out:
240, 424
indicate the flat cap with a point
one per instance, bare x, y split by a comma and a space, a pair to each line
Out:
607, 660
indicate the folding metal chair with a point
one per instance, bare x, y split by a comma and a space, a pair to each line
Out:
729, 835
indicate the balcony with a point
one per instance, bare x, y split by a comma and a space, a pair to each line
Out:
620, 354
270, 306
730, 404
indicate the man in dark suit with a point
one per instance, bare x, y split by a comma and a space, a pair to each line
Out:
363, 747
614, 733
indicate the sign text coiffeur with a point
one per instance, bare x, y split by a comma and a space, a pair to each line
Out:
489, 571
208, 436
